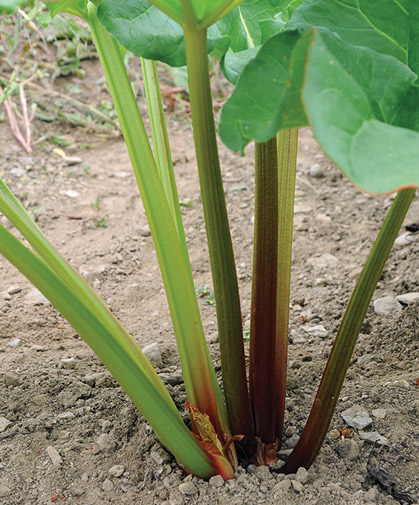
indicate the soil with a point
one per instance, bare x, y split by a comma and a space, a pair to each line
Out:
74, 435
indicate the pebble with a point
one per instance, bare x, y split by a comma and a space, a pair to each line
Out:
347, 449
106, 443
72, 393
15, 343
188, 488
173, 380
12, 290
317, 171
263, 473
386, 306
54, 456
4, 423
404, 239
92, 275
35, 297
356, 417
99, 379
66, 415
283, 484
68, 363
216, 481
160, 456
302, 475
71, 193
408, 298
153, 354
107, 485
10, 379
116, 471
316, 331
72, 160
373, 437
5, 296
399, 383
297, 486
379, 413
144, 230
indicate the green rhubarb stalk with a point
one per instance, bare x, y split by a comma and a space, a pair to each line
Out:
117, 350
161, 144
275, 162
199, 376
218, 234
331, 384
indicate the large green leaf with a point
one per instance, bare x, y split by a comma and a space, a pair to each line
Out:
77, 7
148, 32
362, 103
385, 26
244, 28
268, 95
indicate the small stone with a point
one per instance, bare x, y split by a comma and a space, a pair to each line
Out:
188, 488
292, 441
284, 453
160, 456
372, 495
373, 437
216, 481
283, 484
85, 477
251, 468
15, 343
297, 486
107, 485
263, 473
116, 471
335, 434
153, 354
4, 423
302, 475
97, 379
10, 379
72, 160
106, 443
5, 296
404, 239
95, 274
35, 297
317, 171
386, 306
144, 230
66, 415
356, 417
408, 298
68, 363
348, 449
12, 290
173, 380
379, 413
71, 193
316, 331
54, 456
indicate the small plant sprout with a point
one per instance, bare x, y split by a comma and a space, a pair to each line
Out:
319, 63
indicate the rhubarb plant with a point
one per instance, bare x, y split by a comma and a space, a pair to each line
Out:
347, 70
